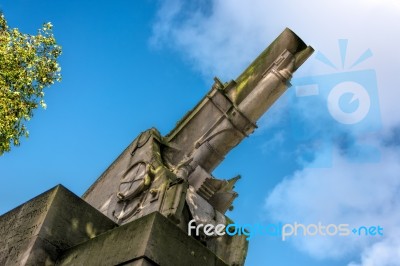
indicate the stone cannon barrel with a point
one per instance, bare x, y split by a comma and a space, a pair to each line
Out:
229, 112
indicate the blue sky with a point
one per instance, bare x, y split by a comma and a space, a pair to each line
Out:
131, 65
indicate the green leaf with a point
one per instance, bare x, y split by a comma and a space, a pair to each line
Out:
28, 64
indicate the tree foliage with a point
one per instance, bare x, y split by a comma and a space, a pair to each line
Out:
28, 64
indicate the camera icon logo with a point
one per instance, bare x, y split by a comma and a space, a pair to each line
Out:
359, 96
340, 104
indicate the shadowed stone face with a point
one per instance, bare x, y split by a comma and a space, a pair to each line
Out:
36, 232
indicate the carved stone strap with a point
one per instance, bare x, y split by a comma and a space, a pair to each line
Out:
132, 190
230, 112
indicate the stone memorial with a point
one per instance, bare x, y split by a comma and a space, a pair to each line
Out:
138, 210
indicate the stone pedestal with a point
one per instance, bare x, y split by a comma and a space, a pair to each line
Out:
36, 232
59, 228
150, 240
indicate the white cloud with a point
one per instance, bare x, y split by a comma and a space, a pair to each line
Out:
384, 253
222, 37
347, 193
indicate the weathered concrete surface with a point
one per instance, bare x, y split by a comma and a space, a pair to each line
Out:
150, 240
37, 231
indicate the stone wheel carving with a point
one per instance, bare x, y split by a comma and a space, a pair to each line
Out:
130, 192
